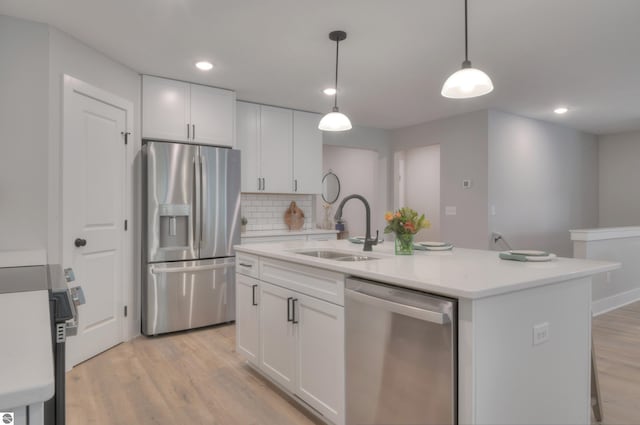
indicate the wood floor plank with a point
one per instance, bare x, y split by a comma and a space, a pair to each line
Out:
197, 378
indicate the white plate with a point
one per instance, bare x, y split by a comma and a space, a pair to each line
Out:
548, 257
529, 253
421, 247
433, 244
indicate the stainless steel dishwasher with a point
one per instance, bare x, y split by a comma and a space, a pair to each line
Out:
401, 362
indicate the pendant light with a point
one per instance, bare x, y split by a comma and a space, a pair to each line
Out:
335, 120
467, 82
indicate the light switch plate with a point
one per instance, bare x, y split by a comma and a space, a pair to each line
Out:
466, 184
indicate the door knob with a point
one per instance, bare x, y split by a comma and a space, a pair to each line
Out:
80, 242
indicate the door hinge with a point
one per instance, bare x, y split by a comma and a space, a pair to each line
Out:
126, 225
125, 311
126, 136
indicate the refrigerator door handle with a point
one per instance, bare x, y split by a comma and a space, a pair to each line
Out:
203, 191
195, 206
160, 270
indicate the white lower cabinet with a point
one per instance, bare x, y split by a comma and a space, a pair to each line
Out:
278, 335
247, 318
295, 339
320, 355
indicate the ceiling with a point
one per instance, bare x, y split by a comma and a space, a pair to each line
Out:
584, 54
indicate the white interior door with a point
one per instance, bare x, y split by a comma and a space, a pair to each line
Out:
94, 187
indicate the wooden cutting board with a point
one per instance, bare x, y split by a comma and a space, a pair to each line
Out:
294, 217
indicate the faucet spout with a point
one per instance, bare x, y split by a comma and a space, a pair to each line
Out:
368, 241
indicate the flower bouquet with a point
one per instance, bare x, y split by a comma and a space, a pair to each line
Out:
405, 223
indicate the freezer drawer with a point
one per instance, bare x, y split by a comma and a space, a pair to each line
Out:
188, 294
401, 361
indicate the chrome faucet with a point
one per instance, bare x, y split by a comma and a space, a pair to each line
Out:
368, 242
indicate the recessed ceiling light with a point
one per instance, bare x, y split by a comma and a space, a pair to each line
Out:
330, 91
204, 65
561, 110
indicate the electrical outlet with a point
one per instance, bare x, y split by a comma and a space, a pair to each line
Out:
540, 333
450, 211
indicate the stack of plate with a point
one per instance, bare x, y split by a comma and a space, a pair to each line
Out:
360, 239
433, 246
527, 255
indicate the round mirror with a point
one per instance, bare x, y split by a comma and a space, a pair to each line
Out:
330, 187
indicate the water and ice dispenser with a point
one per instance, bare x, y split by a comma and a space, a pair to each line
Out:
174, 225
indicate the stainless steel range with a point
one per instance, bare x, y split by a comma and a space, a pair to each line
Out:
191, 197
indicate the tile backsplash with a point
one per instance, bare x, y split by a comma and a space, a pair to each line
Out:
266, 211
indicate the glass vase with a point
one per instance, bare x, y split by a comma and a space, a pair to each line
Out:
404, 244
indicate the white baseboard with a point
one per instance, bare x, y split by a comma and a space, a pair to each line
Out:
613, 302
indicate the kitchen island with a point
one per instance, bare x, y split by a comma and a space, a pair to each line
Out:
523, 328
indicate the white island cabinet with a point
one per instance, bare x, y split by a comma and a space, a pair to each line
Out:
290, 325
509, 371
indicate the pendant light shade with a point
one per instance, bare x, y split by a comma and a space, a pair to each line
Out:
467, 82
335, 120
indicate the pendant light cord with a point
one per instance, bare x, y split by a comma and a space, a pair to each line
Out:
466, 37
335, 97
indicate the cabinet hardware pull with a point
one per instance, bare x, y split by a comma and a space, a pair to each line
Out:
289, 319
259, 183
293, 304
253, 296
296, 184
193, 128
188, 133
246, 265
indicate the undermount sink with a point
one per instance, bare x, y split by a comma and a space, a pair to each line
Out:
335, 255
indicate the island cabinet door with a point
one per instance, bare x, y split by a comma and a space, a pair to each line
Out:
277, 334
247, 318
320, 355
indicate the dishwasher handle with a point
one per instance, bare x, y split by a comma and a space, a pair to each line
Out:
395, 307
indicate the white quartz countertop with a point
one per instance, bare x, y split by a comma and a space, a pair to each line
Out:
265, 233
23, 258
26, 359
460, 273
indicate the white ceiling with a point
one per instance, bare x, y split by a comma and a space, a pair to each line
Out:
540, 53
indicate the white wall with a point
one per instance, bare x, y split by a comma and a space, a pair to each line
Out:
463, 155
619, 188
543, 181
371, 139
420, 187
357, 171
23, 134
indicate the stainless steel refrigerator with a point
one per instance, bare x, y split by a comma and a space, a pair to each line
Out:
191, 209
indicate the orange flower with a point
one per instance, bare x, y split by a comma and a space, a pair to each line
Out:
388, 216
398, 214
410, 227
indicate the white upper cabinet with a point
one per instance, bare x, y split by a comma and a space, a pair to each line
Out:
248, 141
276, 130
175, 110
165, 109
213, 115
307, 153
281, 149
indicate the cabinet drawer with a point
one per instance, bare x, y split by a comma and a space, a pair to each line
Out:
248, 265
319, 283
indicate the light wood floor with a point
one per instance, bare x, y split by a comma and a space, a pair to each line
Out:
188, 378
616, 336
196, 378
